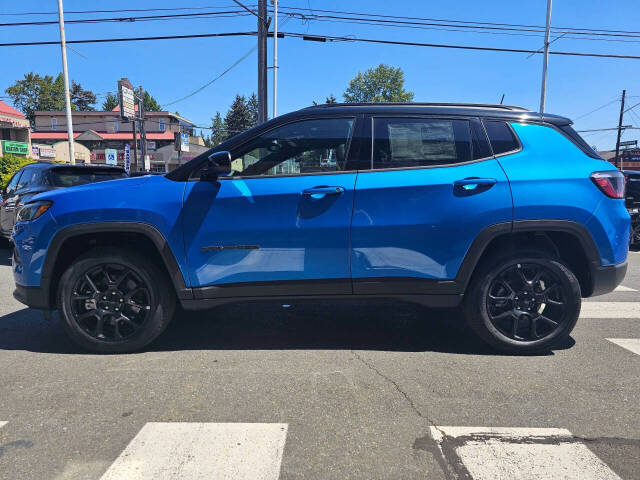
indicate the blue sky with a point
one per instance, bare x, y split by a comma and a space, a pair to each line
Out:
309, 71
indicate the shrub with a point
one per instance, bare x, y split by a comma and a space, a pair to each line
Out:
10, 164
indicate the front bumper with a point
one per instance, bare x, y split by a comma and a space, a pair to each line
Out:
34, 297
606, 279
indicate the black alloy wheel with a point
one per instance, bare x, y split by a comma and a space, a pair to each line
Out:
115, 300
523, 302
110, 302
526, 302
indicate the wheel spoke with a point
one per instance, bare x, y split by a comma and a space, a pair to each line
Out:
551, 301
116, 283
522, 275
514, 326
76, 296
99, 326
544, 318
87, 314
90, 282
549, 288
533, 328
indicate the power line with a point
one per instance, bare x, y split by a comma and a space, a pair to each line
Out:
597, 109
120, 10
329, 38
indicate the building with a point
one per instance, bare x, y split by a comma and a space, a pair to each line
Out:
14, 132
629, 158
96, 133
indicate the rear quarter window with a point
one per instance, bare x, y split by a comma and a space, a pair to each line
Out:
501, 137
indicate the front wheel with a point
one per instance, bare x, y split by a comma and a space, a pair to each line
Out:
523, 303
114, 301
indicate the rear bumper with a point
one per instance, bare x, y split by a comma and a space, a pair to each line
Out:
606, 279
34, 297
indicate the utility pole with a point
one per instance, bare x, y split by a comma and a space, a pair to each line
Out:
143, 131
545, 58
263, 112
67, 97
275, 57
624, 93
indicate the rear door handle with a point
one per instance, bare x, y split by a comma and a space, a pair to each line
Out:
321, 191
471, 184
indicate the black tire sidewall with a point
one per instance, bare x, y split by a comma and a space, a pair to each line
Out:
162, 300
479, 320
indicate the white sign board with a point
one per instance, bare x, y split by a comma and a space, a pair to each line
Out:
127, 101
127, 158
147, 163
184, 142
110, 156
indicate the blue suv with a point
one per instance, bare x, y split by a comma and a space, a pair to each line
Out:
501, 211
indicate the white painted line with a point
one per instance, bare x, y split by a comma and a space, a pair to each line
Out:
622, 288
199, 451
631, 344
520, 453
610, 310
2, 424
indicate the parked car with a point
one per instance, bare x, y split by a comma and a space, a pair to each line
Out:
502, 211
39, 177
633, 204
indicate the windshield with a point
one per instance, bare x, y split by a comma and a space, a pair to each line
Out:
70, 177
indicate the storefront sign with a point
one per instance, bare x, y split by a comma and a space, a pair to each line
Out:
48, 152
151, 145
35, 152
16, 148
127, 100
184, 142
13, 122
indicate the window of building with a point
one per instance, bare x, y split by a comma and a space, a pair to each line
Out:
416, 142
306, 146
54, 123
116, 125
161, 122
501, 137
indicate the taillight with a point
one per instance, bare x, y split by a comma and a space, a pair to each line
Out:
611, 183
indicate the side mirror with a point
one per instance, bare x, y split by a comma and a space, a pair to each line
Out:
219, 163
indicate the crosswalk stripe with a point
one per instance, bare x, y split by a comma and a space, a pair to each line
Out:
631, 344
523, 453
190, 451
622, 288
610, 310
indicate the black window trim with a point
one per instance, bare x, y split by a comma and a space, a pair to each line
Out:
235, 148
513, 132
424, 167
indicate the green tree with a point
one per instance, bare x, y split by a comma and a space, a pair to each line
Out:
218, 130
34, 93
239, 117
110, 102
150, 103
330, 99
82, 99
252, 106
382, 84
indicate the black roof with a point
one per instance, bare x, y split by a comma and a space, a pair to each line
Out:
506, 112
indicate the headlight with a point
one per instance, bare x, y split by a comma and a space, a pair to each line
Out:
33, 210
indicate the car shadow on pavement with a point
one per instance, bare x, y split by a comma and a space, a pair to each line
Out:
5, 254
377, 325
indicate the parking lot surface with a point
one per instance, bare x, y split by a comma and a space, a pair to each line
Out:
383, 390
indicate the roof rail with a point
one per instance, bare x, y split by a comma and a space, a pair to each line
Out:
424, 104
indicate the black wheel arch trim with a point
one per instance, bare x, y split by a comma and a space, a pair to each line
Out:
486, 236
152, 233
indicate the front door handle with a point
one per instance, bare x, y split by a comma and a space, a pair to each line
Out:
472, 184
321, 191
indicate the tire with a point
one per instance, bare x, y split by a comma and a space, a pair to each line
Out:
122, 310
491, 307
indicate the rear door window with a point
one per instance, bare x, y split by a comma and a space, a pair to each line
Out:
501, 136
418, 142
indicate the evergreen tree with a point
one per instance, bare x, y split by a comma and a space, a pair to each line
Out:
382, 84
218, 130
110, 102
150, 103
252, 106
81, 98
239, 118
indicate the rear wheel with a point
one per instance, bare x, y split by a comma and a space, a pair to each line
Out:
523, 303
114, 301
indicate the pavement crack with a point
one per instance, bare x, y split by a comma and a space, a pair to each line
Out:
397, 387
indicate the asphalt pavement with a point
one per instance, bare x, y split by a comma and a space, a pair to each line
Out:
383, 390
